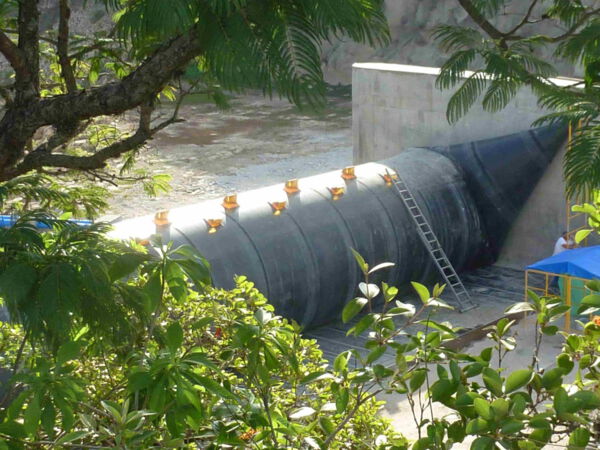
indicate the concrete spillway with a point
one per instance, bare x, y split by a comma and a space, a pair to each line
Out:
293, 241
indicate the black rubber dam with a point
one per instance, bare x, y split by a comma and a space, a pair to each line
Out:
293, 240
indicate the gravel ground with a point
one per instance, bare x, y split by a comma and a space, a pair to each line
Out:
255, 143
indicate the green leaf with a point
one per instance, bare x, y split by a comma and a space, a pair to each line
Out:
561, 401
582, 234
32, 416
125, 264
342, 399
376, 354
552, 378
364, 267
483, 443
353, 307
16, 282
138, 381
518, 379
315, 376
591, 300
584, 400
439, 303
579, 438
48, 419
483, 409
174, 336
455, 370
442, 390
362, 325
215, 388
422, 291
500, 408
520, 307
564, 362
153, 292
476, 426
340, 363
71, 437
417, 379
492, 381
67, 352
422, 444
512, 426
326, 424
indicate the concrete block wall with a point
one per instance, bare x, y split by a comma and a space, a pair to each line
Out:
395, 107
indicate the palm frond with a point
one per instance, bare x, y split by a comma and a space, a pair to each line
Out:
582, 161
585, 42
466, 96
361, 21
499, 94
489, 8
568, 12
452, 38
534, 65
453, 69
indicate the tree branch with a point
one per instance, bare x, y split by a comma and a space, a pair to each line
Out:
480, 20
574, 27
525, 19
22, 120
27, 84
62, 48
62, 136
115, 98
42, 158
12, 54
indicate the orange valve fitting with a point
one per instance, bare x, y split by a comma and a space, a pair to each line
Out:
213, 225
389, 178
348, 173
230, 202
278, 207
291, 187
161, 218
336, 192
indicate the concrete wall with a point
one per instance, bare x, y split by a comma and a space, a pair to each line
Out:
397, 107
541, 221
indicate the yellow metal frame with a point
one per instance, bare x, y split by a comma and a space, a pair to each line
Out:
546, 291
573, 228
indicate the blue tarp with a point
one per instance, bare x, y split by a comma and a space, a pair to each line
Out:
7, 221
578, 262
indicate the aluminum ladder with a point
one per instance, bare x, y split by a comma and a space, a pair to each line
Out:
432, 244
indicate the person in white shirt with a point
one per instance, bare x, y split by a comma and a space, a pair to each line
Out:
563, 243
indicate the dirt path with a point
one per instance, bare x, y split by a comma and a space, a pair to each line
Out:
257, 142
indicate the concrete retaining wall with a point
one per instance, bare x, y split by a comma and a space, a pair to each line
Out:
397, 107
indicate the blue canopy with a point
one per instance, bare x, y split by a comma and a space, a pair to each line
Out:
578, 262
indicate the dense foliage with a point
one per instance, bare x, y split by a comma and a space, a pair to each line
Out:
112, 346
503, 61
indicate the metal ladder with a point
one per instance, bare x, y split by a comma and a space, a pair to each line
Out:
432, 244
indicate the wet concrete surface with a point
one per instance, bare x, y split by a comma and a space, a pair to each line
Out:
494, 288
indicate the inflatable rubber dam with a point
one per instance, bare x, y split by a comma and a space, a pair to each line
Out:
293, 240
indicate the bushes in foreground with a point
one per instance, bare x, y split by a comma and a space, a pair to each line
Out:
112, 347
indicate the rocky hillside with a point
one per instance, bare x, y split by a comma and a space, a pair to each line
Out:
411, 23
